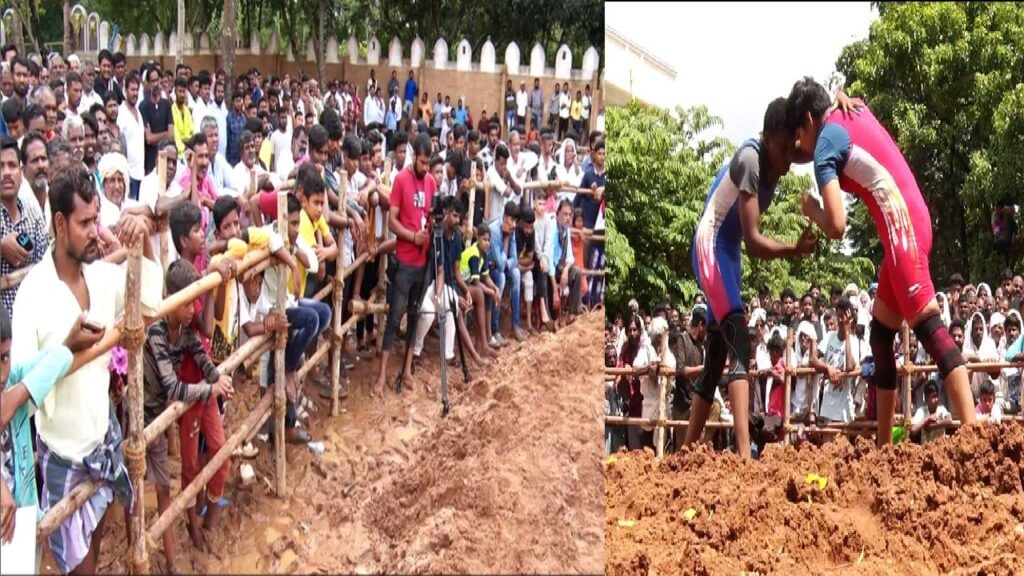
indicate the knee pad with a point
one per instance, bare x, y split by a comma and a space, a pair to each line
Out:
727, 342
882, 339
934, 336
715, 355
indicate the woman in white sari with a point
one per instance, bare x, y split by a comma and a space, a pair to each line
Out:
568, 169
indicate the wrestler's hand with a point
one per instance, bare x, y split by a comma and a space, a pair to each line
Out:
809, 205
807, 242
844, 103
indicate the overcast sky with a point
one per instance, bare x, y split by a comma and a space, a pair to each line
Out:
735, 58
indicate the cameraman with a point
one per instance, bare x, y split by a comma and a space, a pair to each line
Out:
411, 198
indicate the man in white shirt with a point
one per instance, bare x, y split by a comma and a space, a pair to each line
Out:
563, 110
129, 121
241, 174
34, 191
79, 437
280, 139
220, 113
149, 195
369, 109
522, 100
504, 187
201, 103
89, 96
842, 352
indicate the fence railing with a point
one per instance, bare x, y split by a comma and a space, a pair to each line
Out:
130, 334
664, 374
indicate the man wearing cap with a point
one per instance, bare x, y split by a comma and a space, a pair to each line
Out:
689, 353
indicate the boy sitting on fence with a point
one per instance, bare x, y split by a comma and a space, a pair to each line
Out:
474, 266
167, 342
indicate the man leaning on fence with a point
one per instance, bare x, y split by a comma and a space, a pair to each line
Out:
79, 436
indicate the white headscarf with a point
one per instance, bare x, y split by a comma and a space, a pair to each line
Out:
944, 308
988, 290
969, 346
111, 163
757, 315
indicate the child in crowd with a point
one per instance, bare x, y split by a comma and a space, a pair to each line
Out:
927, 416
167, 342
988, 410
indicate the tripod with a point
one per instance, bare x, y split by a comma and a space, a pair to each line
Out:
436, 264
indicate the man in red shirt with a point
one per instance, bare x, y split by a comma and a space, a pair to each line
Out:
411, 198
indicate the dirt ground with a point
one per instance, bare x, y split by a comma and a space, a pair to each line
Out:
509, 482
955, 506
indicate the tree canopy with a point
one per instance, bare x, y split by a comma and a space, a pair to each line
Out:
661, 166
577, 23
947, 80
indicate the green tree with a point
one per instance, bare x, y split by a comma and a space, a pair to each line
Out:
946, 80
661, 166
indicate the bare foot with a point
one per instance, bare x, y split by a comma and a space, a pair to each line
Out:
195, 532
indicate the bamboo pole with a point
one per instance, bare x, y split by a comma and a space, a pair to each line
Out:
366, 307
161, 187
339, 292
183, 499
472, 196
113, 334
135, 447
280, 402
56, 516
908, 374
786, 381
631, 421
362, 258
487, 199
659, 434
312, 361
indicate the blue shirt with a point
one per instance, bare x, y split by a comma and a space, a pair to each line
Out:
747, 172
496, 254
587, 202
38, 375
460, 116
411, 90
831, 153
236, 125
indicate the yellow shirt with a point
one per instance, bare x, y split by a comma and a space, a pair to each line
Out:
307, 232
576, 111
182, 126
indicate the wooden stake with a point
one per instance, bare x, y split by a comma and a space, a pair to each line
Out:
178, 505
135, 448
908, 376
280, 402
786, 380
471, 214
161, 176
339, 292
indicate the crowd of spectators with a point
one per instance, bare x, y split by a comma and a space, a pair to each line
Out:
364, 168
828, 334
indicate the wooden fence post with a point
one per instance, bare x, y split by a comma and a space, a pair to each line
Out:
135, 448
339, 292
280, 402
